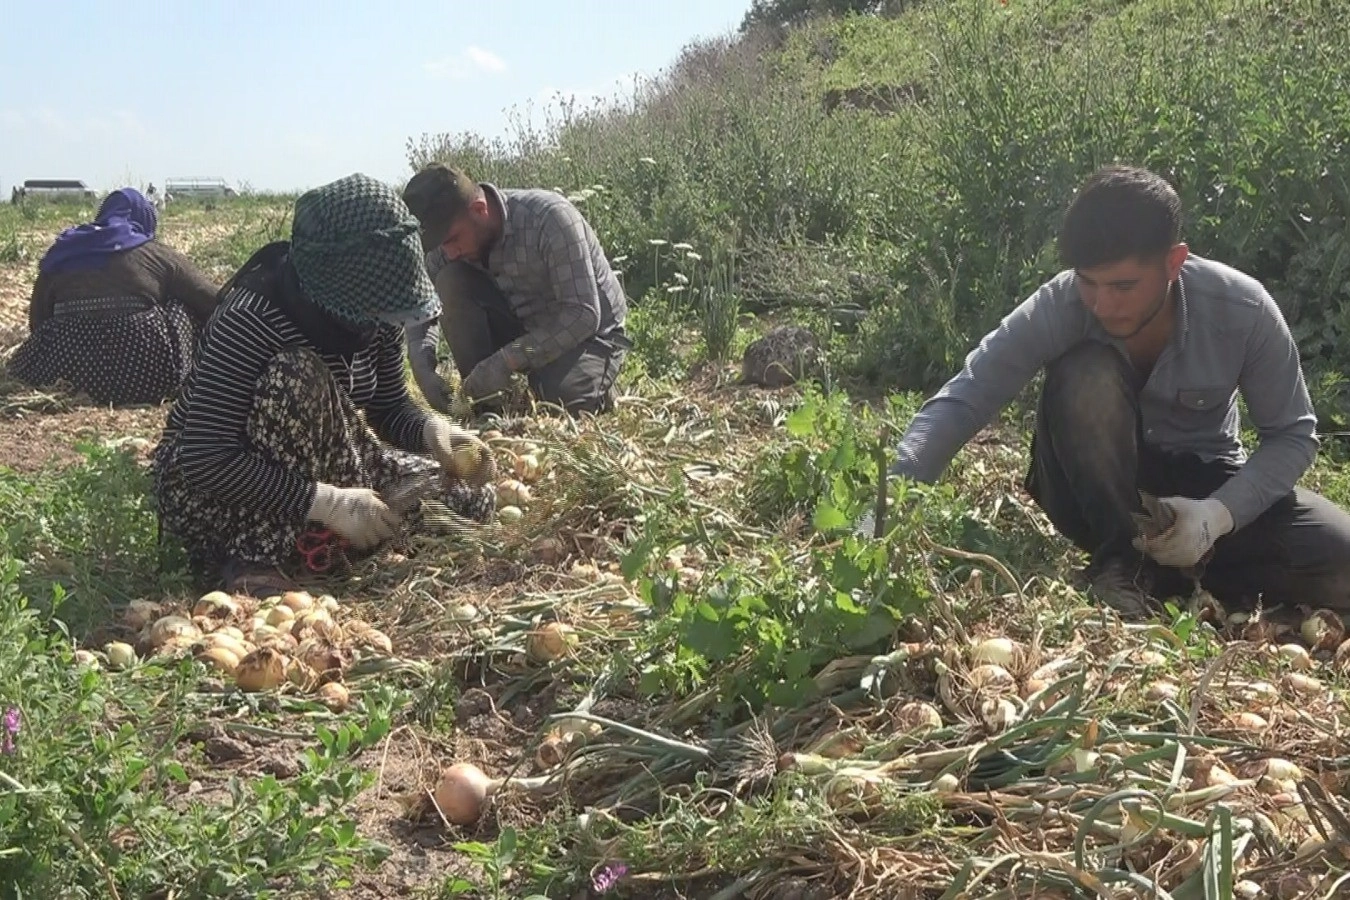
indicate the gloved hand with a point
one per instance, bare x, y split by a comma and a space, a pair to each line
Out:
460, 453
432, 385
489, 377
358, 514
1199, 523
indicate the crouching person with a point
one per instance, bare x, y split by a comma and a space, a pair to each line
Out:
525, 288
1145, 348
268, 438
114, 313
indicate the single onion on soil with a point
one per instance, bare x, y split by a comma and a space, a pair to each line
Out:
463, 612
86, 658
511, 492
946, 783
334, 695
1249, 721
120, 655
464, 789
550, 641
374, 639
509, 513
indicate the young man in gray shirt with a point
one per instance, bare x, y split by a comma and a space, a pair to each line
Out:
1145, 348
525, 287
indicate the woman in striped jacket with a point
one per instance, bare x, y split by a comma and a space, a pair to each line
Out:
268, 435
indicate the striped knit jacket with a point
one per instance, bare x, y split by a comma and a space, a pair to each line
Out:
207, 423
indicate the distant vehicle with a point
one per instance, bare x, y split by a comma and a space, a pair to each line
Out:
198, 188
53, 189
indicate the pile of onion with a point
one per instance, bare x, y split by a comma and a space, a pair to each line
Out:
292, 638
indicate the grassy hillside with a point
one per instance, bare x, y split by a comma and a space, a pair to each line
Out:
934, 206
758, 704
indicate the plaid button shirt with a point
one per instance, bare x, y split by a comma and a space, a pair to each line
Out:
553, 272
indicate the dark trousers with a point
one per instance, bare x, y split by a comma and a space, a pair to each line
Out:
477, 321
1089, 460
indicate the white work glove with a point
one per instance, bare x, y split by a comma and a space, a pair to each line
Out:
1199, 523
357, 514
461, 454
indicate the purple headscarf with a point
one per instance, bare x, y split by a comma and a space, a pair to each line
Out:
125, 220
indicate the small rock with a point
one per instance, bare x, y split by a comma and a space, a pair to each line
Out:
786, 354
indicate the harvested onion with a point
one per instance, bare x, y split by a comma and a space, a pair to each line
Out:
992, 678
374, 639
86, 658
946, 783
220, 659
1323, 630
334, 696
463, 612
1296, 655
326, 660
918, 716
511, 492
262, 670
120, 655
168, 627
216, 604
216, 640
527, 467
550, 642
1159, 691
509, 513
1302, 684
140, 613
462, 791
280, 617
998, 651
297, 601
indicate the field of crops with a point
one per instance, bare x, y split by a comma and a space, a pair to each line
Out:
680, 673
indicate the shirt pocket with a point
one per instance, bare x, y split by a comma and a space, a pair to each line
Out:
1204, 399
1201, 410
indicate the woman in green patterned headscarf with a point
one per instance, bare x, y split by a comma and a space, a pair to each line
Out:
266, 440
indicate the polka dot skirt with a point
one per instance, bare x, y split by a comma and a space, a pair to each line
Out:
122, 359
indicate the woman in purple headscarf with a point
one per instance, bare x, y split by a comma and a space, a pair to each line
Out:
115, 313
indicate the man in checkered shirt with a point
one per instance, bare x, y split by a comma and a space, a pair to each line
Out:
524, 286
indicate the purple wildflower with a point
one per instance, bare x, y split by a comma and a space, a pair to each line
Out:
11, 729
607, 877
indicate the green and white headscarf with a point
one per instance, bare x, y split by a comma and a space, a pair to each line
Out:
358, 253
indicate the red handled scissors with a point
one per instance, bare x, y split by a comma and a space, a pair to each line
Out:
319, 547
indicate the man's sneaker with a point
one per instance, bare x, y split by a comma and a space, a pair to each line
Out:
1122, 584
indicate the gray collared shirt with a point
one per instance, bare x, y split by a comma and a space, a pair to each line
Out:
550, 266
1230, 338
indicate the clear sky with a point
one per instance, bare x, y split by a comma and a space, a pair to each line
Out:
286, 94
